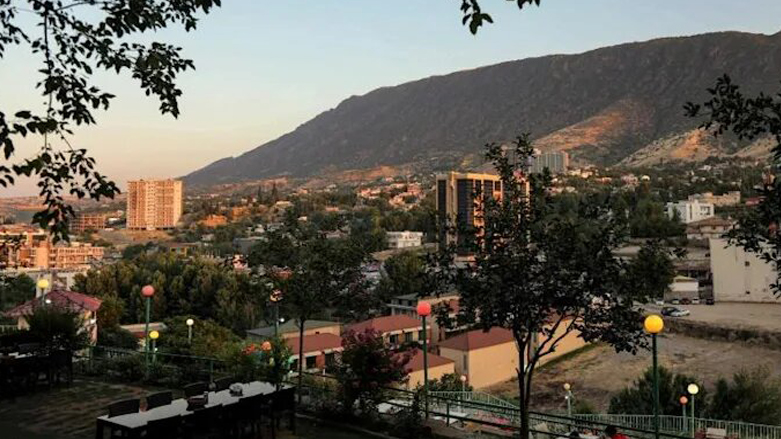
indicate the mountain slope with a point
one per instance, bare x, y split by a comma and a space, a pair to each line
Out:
601, 106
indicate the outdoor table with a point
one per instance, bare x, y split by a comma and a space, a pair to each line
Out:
134, 423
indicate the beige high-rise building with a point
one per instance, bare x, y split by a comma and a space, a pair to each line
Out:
154, 204
456, 196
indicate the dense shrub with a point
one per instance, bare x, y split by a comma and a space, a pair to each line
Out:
117, 337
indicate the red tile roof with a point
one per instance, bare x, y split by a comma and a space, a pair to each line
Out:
416, 363
478, 339
316, 343
388, 324
59, 298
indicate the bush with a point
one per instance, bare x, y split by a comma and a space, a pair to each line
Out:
638, 399
56, 328
751, 397
117, 337
128, 368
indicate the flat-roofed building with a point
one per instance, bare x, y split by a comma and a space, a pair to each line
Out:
320, 350
456, 197
689, 211
740, 276
154, 204
395, 329
405, 239
437, 367
84, 222
290, 329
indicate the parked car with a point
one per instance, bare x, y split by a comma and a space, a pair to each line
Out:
675, 302
686, 301
695, 301
659, 302
710, 301
673, 311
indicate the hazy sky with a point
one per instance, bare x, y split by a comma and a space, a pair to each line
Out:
264, 67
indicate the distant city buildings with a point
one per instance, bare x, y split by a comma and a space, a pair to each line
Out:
689, 211
404, 239
154, 204
455, 198
28, 247
740, 276
84, 222
708, 228
557, 162
213, 221
731, 198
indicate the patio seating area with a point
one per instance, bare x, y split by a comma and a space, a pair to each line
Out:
27, 367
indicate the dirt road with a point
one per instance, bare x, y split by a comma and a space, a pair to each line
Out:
766, 316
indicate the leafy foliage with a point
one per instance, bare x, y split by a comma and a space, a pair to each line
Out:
403, 274
365, 367
753, 396
729, 110
209, 339
117, 337
56, 328
638, 398
449, 382
571, 280
15, 290
475, 17
73, 38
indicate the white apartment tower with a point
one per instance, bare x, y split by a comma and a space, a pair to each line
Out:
154, 204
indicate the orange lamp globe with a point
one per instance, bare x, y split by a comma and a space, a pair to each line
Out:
154, 335
424, 309
653, 324
266, 346
684, 400
148, 291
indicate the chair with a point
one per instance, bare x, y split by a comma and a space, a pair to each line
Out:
284, 402
61, 362
205, 423
159, 399
247, 415
195, 389
165, 428
124, 407
223, 383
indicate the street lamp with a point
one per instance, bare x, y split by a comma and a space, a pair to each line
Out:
148, 291
693, 389
275, 297
463, 389
190, 323
154, 335
424, 310
568, 397
684, 400
653, 325
43, 284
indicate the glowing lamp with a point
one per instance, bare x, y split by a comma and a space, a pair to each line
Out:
684, 400
266, 346
693, 389
190, 322
653, 324
43, 284
276, 296
148, 291
424, 309
567, 386
463, 378
154, 335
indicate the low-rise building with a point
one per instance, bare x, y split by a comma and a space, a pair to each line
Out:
404, 239
290, 329
86, 306
740, 276
407, 305
731, 198
708, 228
689, 211
320, 350
213, 221
683, 287
395, 329
485, 358
84, 222
437, 367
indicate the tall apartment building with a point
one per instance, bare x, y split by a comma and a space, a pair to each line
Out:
456, 201
88, 221
154, 204
557, 162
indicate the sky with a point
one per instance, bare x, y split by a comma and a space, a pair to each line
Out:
264, 67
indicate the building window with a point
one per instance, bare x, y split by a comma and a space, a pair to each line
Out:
407, 337
394, 339
747, 264
420, 334
466, 363
311, 362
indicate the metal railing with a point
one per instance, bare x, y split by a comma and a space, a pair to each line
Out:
207, 366
743, 430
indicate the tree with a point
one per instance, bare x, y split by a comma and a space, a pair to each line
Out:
449, 382
638, 398
541, 276
209, 339
72, 38
312, 272
402, 274
475, 17
753, 396
56, 328
15, 290
115, 336
654, 264
729, 110
366, 366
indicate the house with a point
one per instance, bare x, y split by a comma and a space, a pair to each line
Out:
708, 228
320, 350
407, 305
395, 329
86, 306
437, 367
213, 221
689, 211
137, 329
740, 276
290, 329
683, 287
405, 239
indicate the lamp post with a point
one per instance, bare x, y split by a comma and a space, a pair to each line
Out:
148, 291
568, 397
275, 297
684, 400
424, 310
653, 325
42, 285
463, 390
154, 335
693, 389
190, 323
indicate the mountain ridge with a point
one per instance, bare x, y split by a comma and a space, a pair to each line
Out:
553, 96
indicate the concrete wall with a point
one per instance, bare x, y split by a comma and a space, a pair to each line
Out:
739, 276
434, 373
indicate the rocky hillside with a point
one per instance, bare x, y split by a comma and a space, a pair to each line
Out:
603, 106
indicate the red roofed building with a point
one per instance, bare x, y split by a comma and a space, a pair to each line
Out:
485, 358
437, 367
319, 350
86, 306
395, 329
